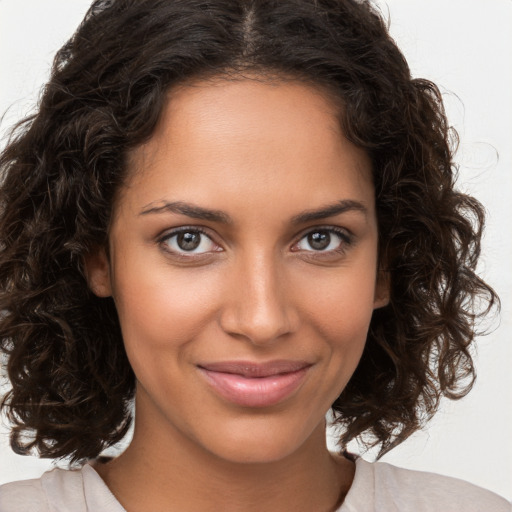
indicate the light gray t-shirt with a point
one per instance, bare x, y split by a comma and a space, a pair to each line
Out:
377, 487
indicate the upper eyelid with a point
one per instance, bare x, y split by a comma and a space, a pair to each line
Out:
347, 238
334, 229
170, 232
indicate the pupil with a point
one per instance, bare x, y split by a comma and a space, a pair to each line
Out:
188, 241
319, 240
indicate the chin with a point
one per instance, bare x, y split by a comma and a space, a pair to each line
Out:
262, 443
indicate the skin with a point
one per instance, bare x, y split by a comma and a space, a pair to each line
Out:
262, 154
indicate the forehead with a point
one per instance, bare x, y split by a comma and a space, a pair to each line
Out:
218, 138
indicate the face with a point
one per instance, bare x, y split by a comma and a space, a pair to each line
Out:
243, 264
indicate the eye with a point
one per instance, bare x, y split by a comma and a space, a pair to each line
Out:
323, 240
188, 241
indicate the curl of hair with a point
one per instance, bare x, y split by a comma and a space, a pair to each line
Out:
71, 381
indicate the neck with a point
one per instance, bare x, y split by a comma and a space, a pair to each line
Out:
156, 471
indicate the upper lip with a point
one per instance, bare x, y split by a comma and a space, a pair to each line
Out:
252, 369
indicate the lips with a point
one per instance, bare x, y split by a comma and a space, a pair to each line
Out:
251, 384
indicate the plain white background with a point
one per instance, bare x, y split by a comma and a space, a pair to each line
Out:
465, 46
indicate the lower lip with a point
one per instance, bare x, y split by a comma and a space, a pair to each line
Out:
255, 392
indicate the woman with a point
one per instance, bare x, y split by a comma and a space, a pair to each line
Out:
242, 215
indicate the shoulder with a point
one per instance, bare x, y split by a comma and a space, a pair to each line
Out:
391, 488
23, 496
57, 490
416, 489
60, 490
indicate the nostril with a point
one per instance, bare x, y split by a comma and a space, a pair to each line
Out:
259, 327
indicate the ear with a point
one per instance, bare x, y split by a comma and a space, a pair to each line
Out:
382, 287
97, 272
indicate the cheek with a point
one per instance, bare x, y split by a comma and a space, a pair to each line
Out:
345, 315
341, 303
345, 330
339, 309
159, 306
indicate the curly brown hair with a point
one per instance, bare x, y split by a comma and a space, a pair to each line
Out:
71, 381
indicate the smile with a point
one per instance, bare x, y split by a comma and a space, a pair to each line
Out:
255, 385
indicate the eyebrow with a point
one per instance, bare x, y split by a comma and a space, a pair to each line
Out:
190, 210
346, 205
199, 212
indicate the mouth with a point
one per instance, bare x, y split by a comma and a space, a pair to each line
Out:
251, 384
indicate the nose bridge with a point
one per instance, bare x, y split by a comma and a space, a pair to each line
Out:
259, 308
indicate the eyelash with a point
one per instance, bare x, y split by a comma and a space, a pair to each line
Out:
163, 241
346, 240
345, 237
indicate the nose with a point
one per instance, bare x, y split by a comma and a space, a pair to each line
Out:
258, 305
